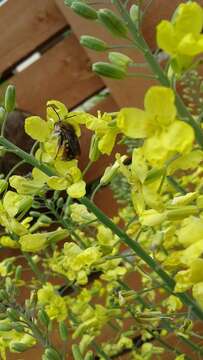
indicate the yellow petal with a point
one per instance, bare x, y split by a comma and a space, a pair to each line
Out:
37, 128
160, 105
107, 142
189, 18
62, 167
57, 183
179, 137
191, 45
133, 123
166, 38
77, 190
56, 110
197, 292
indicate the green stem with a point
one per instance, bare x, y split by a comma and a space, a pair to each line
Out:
169, 283
25, 156
4, 124
157, 70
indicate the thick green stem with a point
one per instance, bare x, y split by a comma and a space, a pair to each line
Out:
169, 283
25, 156
157, 70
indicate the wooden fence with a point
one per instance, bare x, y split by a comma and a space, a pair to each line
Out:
48, 32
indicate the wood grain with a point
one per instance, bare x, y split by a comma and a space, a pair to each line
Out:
25, 25
62, 73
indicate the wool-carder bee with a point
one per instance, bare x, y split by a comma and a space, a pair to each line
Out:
68, 143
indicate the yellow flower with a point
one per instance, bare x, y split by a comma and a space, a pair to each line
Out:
181, 38
69, 178
30, 186
165, 135
55, 305
106, 130
39, 241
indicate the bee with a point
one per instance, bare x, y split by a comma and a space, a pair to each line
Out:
68, 143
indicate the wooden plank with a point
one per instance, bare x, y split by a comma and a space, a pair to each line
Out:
133, 90
62, 73
25, 25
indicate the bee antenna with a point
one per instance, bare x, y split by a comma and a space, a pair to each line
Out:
52, 106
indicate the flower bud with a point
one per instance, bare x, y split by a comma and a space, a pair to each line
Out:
18, 327
113, 23
93, 43
12, 314
109, 70
35, 214
18, 272
119, 59
84, 10
76, 352
153, 175
60, 202
52, 354
182, 212
94, 152
89, 356
134, 13
111, 171
44, 219
63, 331
6, 327
3, 185
18, 347
3, 295
10, 98
43, 317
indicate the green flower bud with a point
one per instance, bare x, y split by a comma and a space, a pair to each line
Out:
6, 327
12, 314
93, 43
76, 352
113, 23
52, 354
84, 10
119, 59
9, 285
18, 347
43, 317
56, 195
182, 212
3, 295
2, 114
111, 171
60, 202
10, 98
134, 13
18, 327
3, 316
3, 185
109, 70
18, 272
94, 152
36, 205
35, 213
89, 356
44, 219
63, 331
153, 175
